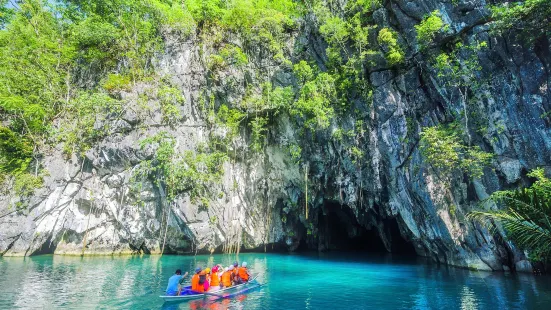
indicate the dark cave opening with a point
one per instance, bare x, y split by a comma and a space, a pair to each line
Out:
47, 247
339, 230
399, 245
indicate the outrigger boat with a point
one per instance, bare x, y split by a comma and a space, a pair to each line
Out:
188, 294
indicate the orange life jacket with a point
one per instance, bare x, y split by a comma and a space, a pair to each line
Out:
243, 274
236, 271
214, 279
194, 282
195, 286
226, 278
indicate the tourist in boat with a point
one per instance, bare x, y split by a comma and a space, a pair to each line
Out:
235, 270
174, 283
227, 277
243, 274
195, 285
206, 281
214, 279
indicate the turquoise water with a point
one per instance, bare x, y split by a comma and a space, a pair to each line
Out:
313, 281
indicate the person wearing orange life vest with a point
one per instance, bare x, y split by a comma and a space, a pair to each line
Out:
195, 286
242, 274
235, 269
227, 277
214, 279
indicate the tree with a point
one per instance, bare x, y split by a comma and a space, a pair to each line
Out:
442, 147
530, 19
460, 70
527, 217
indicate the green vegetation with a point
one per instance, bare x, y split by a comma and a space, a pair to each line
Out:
170, 98
348, 33
296, 151
460, 70
316, 97
429, 27
527, 217
258, 129
67, 66
188, 172
530, 19
49, 50
86, 120
388, 38
445, 151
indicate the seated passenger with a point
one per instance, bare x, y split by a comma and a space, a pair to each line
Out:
243, 274
195, 285
206, 281
214, 279
227, 277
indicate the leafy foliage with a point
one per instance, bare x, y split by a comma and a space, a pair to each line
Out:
188, 172
316, 98
231, 118
170, 99
15, 152
429, 27
258, 128
527, 218
87, 120
55, 56
442, 147
388, 38
460, 71
530, 18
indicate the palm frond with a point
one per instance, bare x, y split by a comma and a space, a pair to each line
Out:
524, 231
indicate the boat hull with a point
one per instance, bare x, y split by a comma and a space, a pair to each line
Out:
167, 298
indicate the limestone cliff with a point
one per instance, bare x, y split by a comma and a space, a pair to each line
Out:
390, 192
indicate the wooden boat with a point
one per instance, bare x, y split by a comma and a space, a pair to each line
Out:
190, 295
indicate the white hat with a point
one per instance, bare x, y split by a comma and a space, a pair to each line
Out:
231, 267
226, 269
244, 264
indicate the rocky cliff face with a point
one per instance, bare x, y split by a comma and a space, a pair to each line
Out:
388, 198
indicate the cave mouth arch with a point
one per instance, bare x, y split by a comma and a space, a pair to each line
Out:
339, 230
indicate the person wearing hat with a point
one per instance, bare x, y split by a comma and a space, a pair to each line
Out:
174, 288
214, 279
227, 277
206, 282
235, 270
195, 286
243, 274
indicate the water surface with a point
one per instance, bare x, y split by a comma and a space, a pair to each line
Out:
311, 281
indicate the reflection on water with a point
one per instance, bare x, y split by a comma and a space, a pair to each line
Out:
314, 281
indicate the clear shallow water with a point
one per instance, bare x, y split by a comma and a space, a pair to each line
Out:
324, 281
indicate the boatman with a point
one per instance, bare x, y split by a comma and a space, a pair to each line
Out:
174, 287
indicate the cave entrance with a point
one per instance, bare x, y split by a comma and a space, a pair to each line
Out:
339, 230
